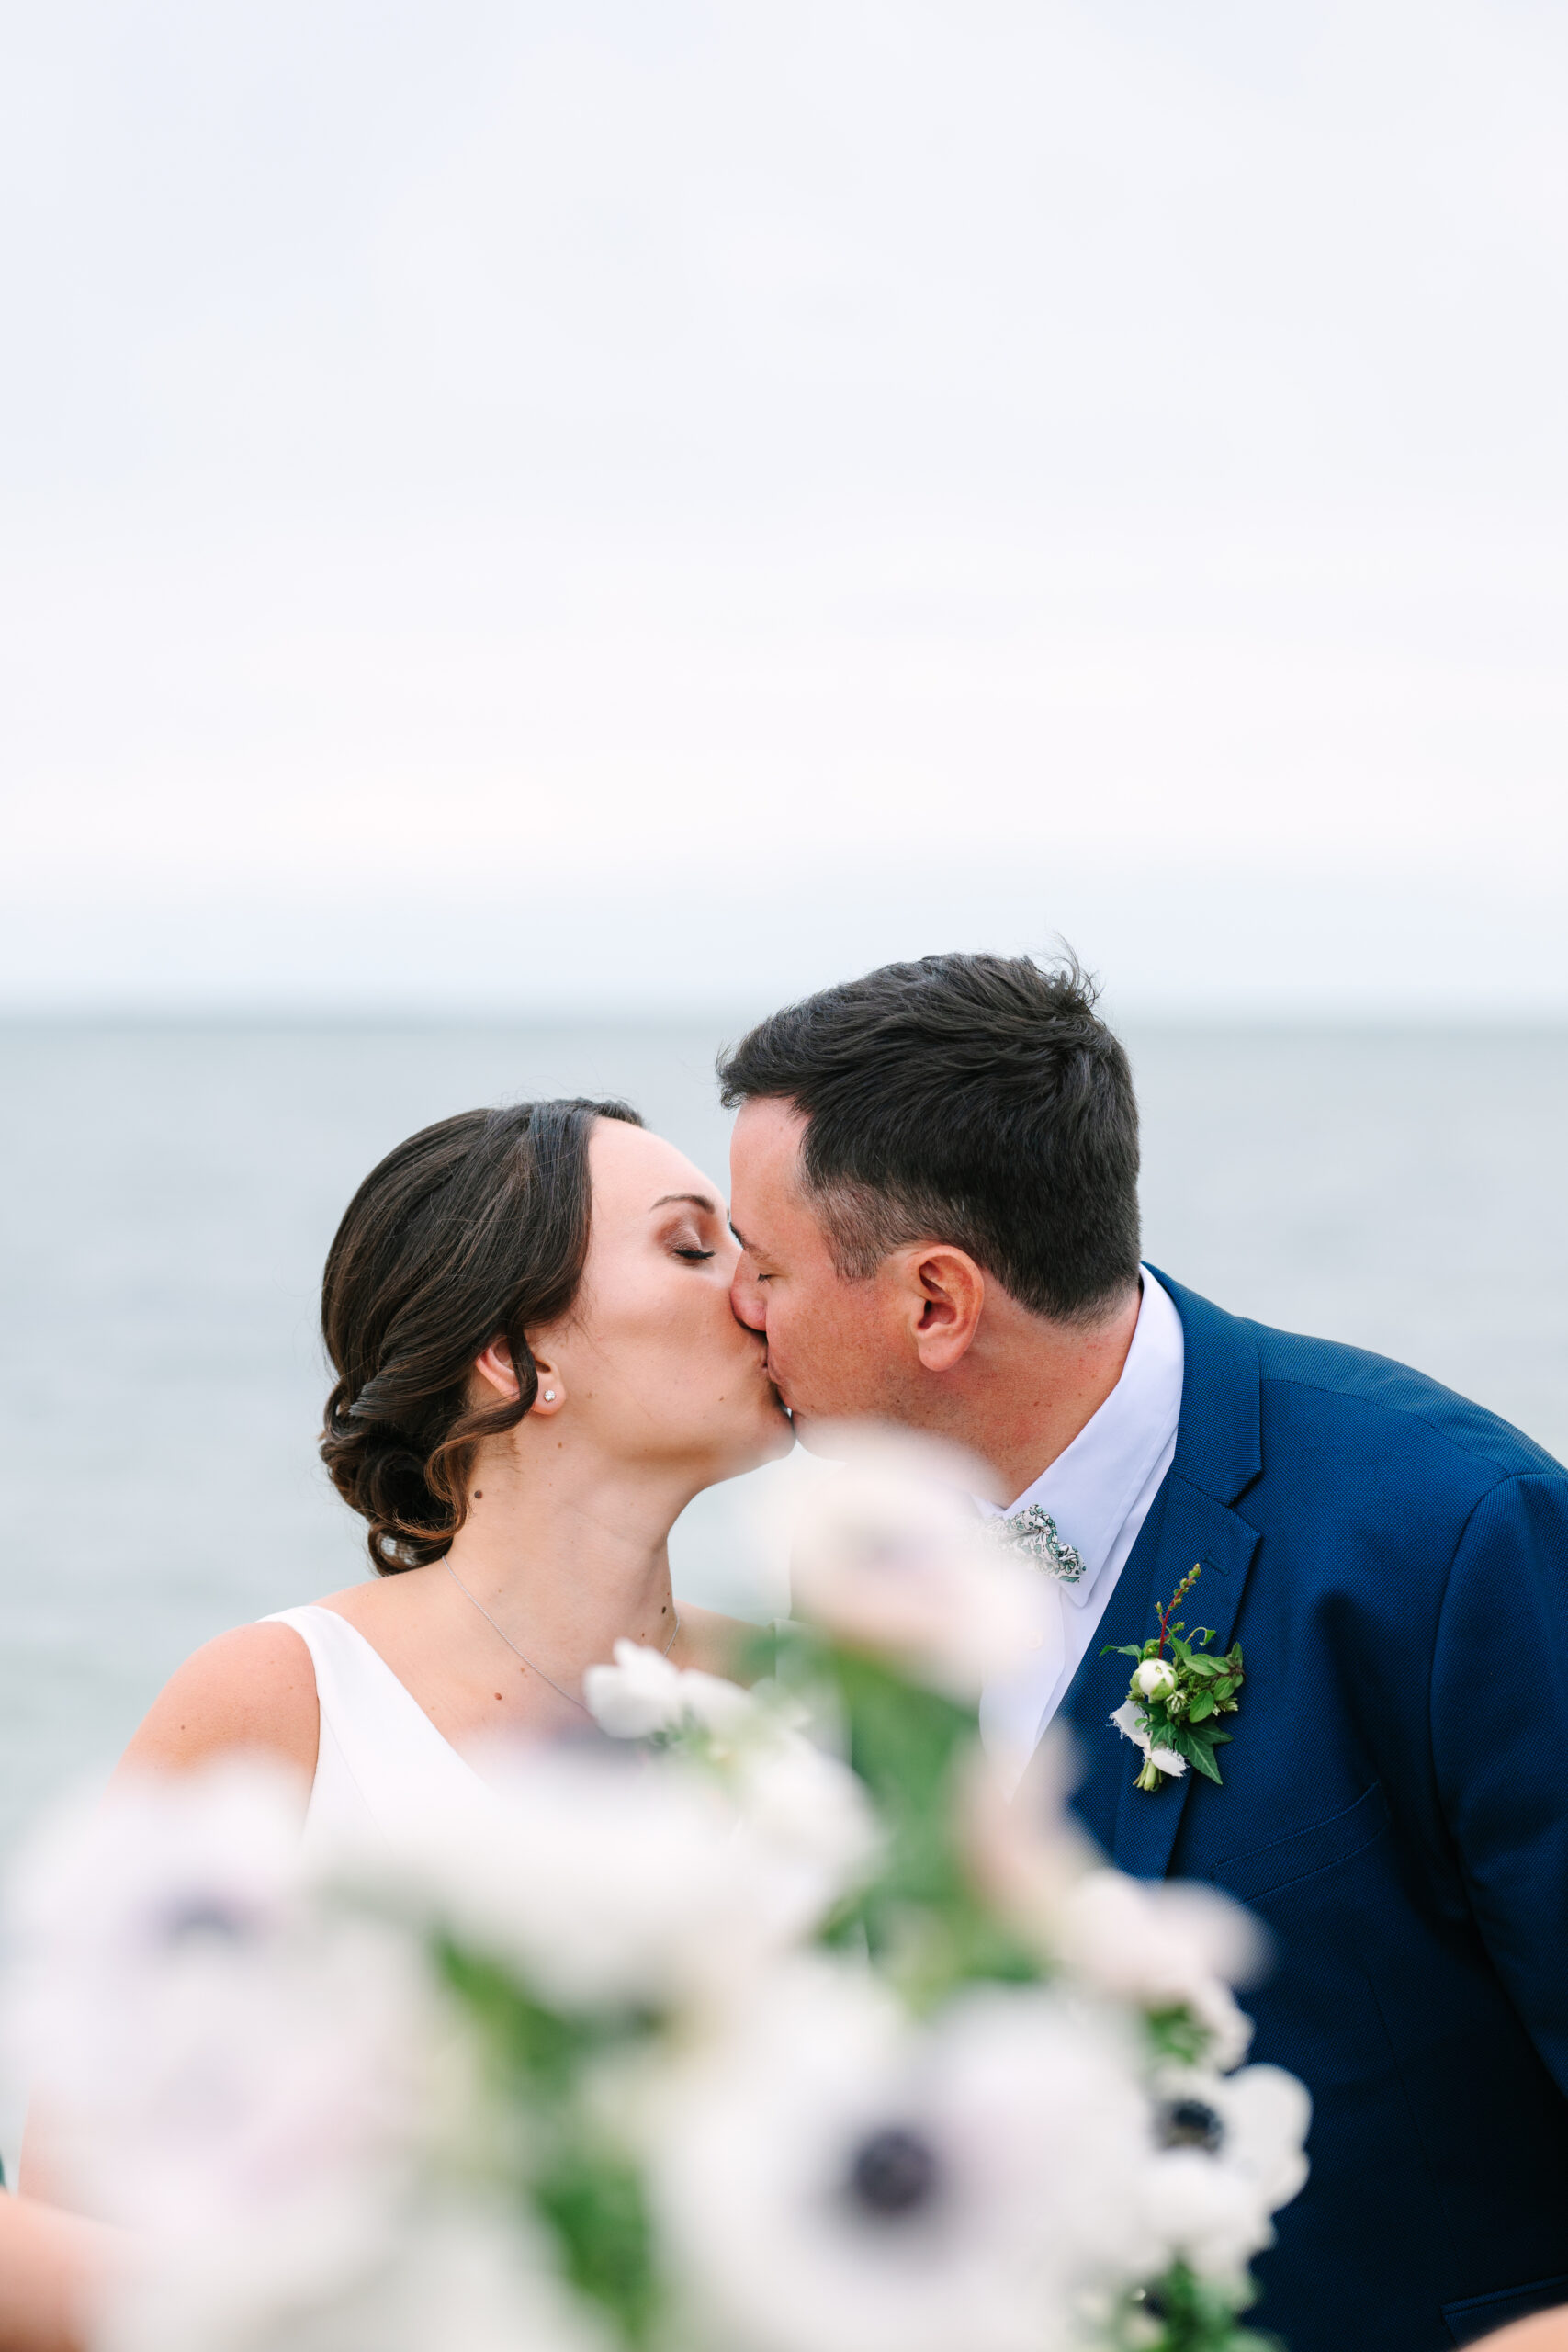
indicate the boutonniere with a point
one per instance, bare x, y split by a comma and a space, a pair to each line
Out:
1177, 1697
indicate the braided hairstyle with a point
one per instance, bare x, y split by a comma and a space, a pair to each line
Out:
472, 1230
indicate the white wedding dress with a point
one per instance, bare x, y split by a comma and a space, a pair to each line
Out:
380, 1760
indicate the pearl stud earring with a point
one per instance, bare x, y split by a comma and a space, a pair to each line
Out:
549, 1396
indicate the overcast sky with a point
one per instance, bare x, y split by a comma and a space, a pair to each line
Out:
635, 500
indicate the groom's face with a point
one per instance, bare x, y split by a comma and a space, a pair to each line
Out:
835, 1346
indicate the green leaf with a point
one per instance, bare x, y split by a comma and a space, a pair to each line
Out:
595, 2204
538, 2046
1194, 2315
1204, 1704
1177, 2033
921, 1918
1196, 1747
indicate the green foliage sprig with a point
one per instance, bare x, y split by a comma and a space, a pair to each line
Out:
920, 1916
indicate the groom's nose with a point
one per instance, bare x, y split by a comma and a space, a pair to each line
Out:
746, 1296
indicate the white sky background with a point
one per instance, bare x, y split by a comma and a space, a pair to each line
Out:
641, 501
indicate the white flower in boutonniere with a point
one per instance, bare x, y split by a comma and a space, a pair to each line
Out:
1163, 1764
1178, 1693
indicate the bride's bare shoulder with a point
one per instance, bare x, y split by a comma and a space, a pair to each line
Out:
252, 1689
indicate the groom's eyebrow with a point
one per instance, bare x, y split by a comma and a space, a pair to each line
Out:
698, 1200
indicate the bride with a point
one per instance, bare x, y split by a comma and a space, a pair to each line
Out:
529, 1314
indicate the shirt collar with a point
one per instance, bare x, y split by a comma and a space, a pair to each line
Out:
1091, 1486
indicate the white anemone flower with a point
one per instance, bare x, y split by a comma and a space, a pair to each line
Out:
810, 1822
891, 1556
466, 2277
802, 1805
832, 2178
1230, 2153
643, 1694
1024, 1850
608, 1878
807, 1808
106, 1889
223, 2064
1163, 1945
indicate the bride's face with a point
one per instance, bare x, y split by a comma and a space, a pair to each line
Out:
651, 1363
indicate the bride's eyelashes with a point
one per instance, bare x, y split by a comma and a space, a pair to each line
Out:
693, 1256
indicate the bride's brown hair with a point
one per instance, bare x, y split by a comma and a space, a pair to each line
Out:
472, 1230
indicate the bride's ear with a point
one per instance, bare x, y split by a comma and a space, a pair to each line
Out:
496, 1368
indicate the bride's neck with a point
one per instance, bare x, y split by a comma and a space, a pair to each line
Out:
573, 1552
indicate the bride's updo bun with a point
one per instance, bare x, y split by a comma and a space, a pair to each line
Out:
473, 1229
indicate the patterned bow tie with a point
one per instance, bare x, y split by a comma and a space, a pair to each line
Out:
1032, 1531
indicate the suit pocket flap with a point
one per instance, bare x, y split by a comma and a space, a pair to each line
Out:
1335, 1840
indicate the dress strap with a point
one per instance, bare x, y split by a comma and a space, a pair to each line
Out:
381, 1735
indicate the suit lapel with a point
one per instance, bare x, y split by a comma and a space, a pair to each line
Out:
1218, 1454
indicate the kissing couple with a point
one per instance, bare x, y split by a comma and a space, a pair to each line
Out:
548, 1337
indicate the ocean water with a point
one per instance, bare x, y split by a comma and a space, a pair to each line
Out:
167, 1193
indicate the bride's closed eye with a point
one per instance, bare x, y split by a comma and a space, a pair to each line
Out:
681, 1236
686, 1241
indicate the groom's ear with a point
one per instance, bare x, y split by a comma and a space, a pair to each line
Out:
943, 1292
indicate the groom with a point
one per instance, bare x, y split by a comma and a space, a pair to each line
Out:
934, 1184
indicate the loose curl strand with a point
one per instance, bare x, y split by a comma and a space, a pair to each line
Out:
474, 1229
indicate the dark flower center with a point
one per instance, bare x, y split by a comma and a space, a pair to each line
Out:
205, 1915
1189, 2123
893, 2173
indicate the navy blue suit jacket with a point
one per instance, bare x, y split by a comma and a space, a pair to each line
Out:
1395, 1562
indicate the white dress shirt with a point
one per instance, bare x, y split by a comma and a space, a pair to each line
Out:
1098, 1492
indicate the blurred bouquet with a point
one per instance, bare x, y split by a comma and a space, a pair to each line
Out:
766, 2024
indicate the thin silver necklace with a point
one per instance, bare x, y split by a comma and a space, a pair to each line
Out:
528, 1662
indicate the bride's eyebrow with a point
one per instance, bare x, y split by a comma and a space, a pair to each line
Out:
698, 1201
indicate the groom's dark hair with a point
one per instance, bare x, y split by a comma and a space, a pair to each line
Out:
977, 1100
